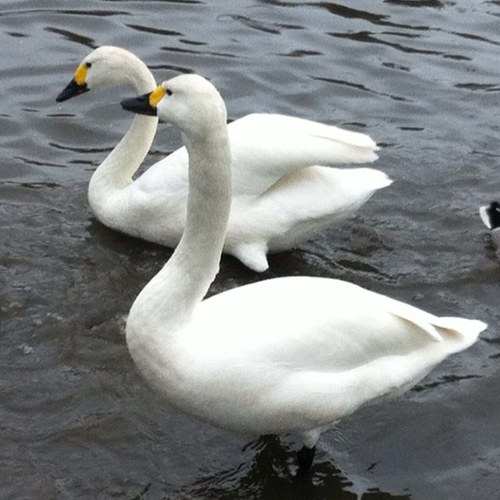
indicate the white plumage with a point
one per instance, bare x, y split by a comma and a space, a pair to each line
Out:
281, 194
291, 354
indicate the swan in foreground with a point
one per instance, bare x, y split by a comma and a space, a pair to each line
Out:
490, 215
281, 197
286, 355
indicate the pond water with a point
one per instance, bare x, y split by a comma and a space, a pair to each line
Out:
420, 77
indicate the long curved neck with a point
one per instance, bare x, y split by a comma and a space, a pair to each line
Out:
174, 292
116, 171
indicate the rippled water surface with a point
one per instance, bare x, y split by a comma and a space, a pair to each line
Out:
421, 77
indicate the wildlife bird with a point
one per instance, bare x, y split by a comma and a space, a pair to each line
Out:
284, 355
490, 215
281, 194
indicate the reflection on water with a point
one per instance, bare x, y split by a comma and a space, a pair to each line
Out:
269, 475
421, 77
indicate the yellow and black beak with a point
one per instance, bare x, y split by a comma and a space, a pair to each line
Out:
76, 86
144, 104
71, 90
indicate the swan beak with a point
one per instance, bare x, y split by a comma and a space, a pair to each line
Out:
140, 105
71, 90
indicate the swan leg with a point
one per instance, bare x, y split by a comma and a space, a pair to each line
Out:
305, 457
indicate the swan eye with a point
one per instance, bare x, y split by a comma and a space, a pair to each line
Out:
88, 65
168, 92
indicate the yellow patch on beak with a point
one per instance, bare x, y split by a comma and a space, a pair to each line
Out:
156, 96
81, 74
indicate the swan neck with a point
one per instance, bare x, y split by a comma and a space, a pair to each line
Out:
209, 202
180, 286
116, 171
198, 254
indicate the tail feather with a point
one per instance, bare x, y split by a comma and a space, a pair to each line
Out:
372, 178
459, 331
464, 332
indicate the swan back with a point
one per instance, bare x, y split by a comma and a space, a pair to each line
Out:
289, 143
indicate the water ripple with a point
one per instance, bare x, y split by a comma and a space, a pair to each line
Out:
420, 77
367, 37
50, 11
154, 31
73, 37
359, 86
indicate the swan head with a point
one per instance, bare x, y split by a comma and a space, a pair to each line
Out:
108, 66
189, 101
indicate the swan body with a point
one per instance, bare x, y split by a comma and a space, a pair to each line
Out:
253, 364
292, 354
282, 195
490, 215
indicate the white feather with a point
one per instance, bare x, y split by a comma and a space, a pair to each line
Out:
285, 355
283, 194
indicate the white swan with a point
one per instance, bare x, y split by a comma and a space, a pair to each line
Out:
290, 354
490, 215
280, 196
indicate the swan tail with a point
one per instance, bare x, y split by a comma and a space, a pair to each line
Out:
372, 179
459, 331
252, 255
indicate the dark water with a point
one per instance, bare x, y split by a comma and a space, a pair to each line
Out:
421, 77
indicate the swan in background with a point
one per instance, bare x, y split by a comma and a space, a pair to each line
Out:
490, 215
292, 354
281, 197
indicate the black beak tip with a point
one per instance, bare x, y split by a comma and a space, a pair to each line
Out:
139, 105
71, 90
